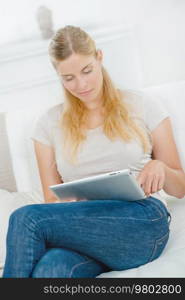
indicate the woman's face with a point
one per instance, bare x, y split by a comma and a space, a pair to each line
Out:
82, 76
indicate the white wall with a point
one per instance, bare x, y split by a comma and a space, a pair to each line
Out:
162, 47
28, 78
158, 26
18, 18
142, 41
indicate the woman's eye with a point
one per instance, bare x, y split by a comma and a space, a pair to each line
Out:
68, 79
87, 71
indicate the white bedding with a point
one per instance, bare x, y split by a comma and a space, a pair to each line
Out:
170, 264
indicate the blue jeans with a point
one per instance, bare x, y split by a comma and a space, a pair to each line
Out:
84, 239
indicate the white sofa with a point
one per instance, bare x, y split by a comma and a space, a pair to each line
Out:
20, 183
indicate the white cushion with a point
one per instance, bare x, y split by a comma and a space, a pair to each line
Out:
7, 179
19, 125
8, 203
172, 95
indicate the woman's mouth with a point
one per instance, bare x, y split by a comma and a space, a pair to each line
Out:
85, 93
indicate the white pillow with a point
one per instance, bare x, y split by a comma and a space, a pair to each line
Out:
7, 179
8, 203
172, 95
19, 125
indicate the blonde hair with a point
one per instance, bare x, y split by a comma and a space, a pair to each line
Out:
118, 122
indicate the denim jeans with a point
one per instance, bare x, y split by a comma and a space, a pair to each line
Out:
85, 238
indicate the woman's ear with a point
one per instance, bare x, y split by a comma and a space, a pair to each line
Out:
99, 55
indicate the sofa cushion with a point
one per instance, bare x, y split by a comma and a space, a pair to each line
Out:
172, 95
10, 201
19, 125
7, 178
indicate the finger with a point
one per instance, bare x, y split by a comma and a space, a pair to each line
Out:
148, 185
161, 183
155, 184
140, 179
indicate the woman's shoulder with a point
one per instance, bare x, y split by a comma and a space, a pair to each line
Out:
147, 106
53, 113
140, 96
135, 100
132, 95
54, 110
140, 100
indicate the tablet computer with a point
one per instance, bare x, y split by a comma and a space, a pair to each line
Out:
120, 185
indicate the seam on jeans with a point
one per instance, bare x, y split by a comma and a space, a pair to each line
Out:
158, 242
32, 233
43, 220
123, 218
77, 265
103, 217
158, 207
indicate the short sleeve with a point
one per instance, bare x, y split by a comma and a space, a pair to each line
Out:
154, 111
41, 130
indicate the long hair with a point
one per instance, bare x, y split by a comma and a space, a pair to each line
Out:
118, 122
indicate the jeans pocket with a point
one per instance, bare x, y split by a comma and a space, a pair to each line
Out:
159, 246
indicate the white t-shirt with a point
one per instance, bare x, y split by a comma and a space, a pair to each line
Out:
98, 154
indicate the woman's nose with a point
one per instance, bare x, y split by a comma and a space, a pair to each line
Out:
81, 85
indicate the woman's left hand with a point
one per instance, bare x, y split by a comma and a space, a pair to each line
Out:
152, 177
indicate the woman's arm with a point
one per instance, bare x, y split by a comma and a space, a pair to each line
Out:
165, 170
47, 170
175, 182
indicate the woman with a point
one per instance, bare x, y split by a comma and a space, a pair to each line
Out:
98, 129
